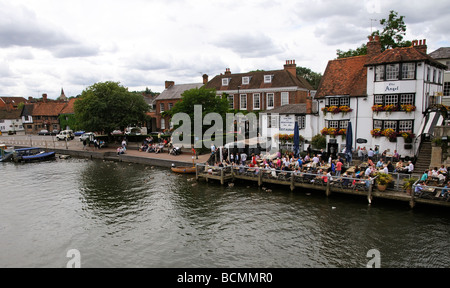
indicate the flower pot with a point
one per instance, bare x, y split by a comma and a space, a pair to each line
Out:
381, 188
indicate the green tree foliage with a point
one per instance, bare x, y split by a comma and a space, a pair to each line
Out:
106, 106
394, 29
312, 77
319, 141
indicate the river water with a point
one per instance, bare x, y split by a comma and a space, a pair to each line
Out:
130, 215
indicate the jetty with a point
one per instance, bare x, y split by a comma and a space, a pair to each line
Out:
321, 183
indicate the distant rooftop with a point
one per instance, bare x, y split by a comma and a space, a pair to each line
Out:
441, 53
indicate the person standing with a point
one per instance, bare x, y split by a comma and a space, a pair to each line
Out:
84, 143
338, 168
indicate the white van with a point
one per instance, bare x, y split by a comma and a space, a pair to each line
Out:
65, 134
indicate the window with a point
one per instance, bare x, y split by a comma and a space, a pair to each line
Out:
256, 101
333, 124
397, 125
405, 125
245, 80
434, 75
231, 101
392, 71
284, 98
379, 73
390, 124
377, 124
407, 99
391, 99
267, 78
243, 101
378, 100
394, 99
161, 107
225, 81
337, 101
272, 121
446, 88
440, 77
301, 120
163, 123
428, 73
270, 100
343, 124
408, 70
170, 106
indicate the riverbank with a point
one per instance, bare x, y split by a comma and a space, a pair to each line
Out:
75, 148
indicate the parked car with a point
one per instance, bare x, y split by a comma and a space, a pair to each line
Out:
43, 132
87, 135
65, 135
133, 131
55, 132
116, 132
78, 133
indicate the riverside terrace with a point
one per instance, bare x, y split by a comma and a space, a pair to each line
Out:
323, 182
227, 174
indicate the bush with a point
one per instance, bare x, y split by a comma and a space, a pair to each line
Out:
319, 142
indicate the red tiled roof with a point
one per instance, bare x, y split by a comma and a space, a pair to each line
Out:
347, 76
48, 108
404, 54
68, 109
281, 78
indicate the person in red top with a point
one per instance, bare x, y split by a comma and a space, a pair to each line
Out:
338, 168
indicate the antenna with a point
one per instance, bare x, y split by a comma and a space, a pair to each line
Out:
371, 26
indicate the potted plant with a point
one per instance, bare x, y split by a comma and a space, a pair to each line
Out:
408, 183
382, 180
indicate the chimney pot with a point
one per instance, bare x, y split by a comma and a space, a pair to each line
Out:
205, 79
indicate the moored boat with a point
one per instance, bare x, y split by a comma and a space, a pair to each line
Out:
183, 169
5, 153
32, 154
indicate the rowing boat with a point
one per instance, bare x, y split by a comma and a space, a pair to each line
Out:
184, 169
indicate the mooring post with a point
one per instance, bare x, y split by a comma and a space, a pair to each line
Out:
292, 181
221, 176
328, 191
369, 194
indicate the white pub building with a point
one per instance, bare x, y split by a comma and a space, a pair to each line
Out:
388, 97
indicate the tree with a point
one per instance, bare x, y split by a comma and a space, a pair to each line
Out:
107, 106
394, 28
312, 77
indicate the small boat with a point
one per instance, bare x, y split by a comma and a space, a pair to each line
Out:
183, 169
5, 153
32, 154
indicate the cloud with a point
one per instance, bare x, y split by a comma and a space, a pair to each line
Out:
21, 27
248, 45
75, 50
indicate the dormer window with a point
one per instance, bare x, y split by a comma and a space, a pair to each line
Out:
245, 80
225, 81
268, 78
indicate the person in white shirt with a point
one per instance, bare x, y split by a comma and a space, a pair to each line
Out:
410, 167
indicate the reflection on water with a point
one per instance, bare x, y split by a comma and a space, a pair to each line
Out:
129, 215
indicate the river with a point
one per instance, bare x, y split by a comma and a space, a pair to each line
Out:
131, 215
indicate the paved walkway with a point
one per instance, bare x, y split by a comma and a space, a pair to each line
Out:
76, 145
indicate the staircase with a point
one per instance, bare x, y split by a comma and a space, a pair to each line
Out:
424, 158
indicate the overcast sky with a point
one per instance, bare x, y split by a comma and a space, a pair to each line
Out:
46, 45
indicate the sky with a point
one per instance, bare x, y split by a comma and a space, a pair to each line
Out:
49, 45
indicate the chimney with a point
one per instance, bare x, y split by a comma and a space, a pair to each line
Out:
44, 97
373, 46
420, 45
205, 79
169, 84
228, 71
291, 67
309, 103
30, 99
